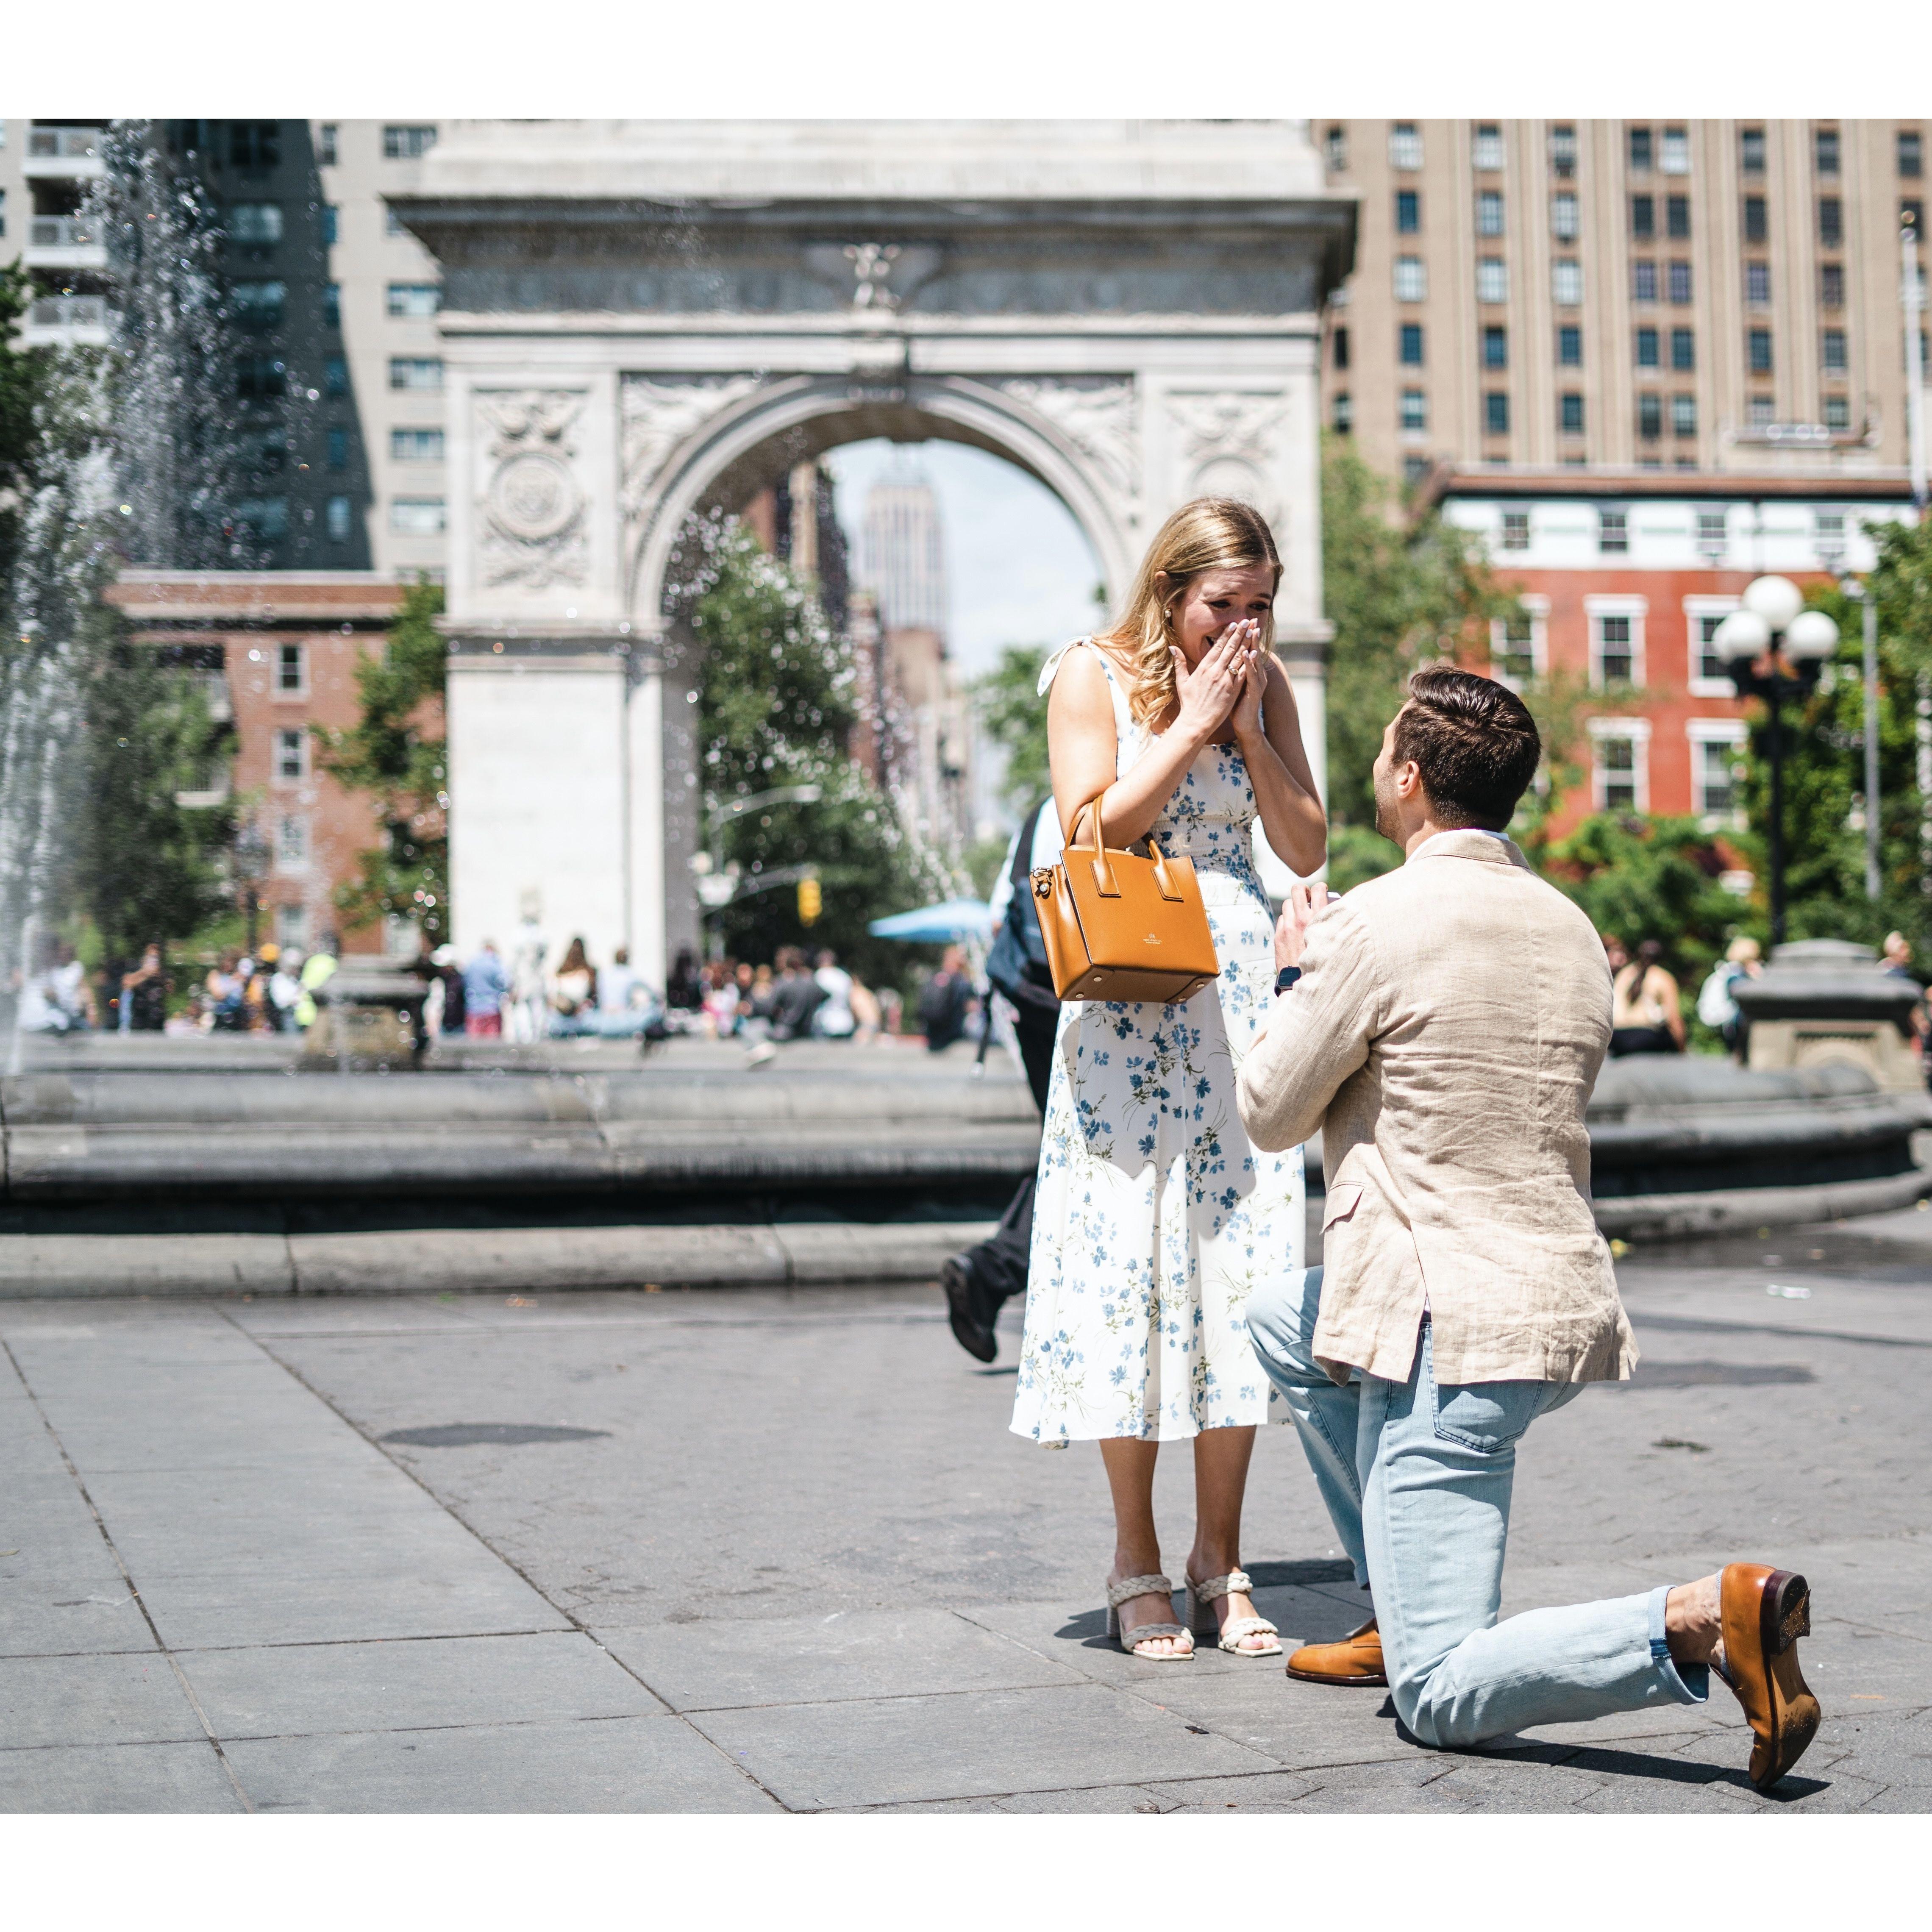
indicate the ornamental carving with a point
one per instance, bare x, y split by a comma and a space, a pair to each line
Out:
532, 525
1097, 415
1227, 444
661, 412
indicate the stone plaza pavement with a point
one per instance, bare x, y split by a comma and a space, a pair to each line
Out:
761, 1550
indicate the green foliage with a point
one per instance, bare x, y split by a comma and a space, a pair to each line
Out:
396, 753
777, 703
1012, 714
1357, 853
21, 374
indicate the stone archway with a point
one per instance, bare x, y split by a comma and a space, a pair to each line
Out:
1128, 311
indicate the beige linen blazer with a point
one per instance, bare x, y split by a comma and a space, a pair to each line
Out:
1445, 1035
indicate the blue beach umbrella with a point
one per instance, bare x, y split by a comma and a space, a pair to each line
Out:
935, 924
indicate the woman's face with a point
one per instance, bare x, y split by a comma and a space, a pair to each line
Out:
1217, 598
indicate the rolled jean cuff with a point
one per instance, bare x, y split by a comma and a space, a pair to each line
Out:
1690, 1684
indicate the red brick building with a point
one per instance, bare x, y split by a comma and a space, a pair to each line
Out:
278, 651
1624, 578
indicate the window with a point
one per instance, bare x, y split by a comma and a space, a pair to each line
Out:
1339, 342
332, 305
255, 224
1757, 222
1643, 217
291, 670
1925, 351
1713, 535
1650, 417
291, 753
1702, 615
1496, 413
1570, 411
1683, 350
291, 843
1832, 341
325, 146
1486, 151
1516, 529
1716, 746
1563, 152
392, 221
1675, 157
415, 372
338, 449
1640, 151
1415, 470
1838, 412
1643, 281
414, 298
267, 517
292, 928
1828, 531
415, 445
1569, 346
416, 516
407, 144
259, 305
1750, 151
1618, 773
267, 448
1613, 533
258, 378
338, 519
1684, 415
1646, 349
1409, 349
1616, 649
1407, 211
1414, 409
1757, 284
1495, 347
335, 375
1337, 145
1758, 412
1411, 281
1831, 221
1832, 285
1405, 146
1677, 218
1345, 414
1825, 144
1911, 153
332, 224
1563, 216
1492, 280
1680, 284
254, 145
1566, 284
1757, 351
1517, 647
1489, 212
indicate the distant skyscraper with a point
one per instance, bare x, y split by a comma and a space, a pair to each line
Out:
905, 556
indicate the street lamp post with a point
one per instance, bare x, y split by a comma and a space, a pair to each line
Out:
717, 884
251, 865
1771, 647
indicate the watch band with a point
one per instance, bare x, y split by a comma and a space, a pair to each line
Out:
1286, 977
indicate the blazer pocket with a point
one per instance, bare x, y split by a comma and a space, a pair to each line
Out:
1341, 1202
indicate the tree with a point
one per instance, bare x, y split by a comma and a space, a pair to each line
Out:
396, 752
22, 371
1012, 714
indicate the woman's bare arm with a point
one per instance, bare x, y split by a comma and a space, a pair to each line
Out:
1269, 734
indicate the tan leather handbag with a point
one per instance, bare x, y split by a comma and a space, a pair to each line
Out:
1119, 927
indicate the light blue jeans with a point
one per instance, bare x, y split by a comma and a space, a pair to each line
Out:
1417, 1478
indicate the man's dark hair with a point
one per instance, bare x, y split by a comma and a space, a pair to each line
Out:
1473, 743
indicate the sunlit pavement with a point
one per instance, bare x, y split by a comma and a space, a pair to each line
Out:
758, 1550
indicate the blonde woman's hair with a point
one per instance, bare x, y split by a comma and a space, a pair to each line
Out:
1211, 533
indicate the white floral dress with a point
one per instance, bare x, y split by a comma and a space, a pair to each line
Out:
1155, 1218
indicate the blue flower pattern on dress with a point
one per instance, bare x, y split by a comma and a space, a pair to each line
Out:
1155, 1218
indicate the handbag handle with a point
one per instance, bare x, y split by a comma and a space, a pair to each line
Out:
1104, 883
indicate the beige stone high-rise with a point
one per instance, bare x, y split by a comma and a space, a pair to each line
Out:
1713, 295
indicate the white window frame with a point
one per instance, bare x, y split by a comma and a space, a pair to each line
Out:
1491, 279
1405, 146
1635, 731
1702, 731
299, 689
292, 928
1566, 217
1504, 547
1486, 147
1412, 272
1536, 607
1566, 271
1696, 609
402, 525
1673, 151
1490, 200
294, 854
1597, 607
283, 734
1402, 411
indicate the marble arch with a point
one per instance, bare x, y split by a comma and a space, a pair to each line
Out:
642, 318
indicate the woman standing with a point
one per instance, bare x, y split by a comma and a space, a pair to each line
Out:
1154, 1217
1646, 1013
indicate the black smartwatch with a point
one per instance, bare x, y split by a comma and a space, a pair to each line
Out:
1286, 977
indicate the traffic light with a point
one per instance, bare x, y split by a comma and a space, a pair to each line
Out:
811, 903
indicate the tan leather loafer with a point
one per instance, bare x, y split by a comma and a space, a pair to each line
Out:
1765, 1612
1356, 1659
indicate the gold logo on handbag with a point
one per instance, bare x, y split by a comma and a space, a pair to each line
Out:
1104, 912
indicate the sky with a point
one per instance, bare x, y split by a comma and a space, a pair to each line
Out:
1019, 570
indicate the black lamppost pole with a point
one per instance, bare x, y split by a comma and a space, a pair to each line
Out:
1771, 647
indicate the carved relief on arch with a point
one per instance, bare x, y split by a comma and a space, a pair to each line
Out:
659, 413
1100, 416
531, 519
1229, 443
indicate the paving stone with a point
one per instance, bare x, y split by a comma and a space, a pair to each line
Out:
817, 1757
92, 1700
116, 1778
818, 1659
58, 1615
299, 1689
619, 1764
1264, 1791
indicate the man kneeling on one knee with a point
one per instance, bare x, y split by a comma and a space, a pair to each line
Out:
1444, 1025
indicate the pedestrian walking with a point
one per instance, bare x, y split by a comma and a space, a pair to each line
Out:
947, 1002
1716, 1006
485, 986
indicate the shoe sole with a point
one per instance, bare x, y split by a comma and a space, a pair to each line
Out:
1784, 1615
1379, 1681
979, 1343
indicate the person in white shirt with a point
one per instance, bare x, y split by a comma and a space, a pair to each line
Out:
834, 1019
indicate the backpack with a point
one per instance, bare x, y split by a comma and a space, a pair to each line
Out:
1017, 965
1715, 1007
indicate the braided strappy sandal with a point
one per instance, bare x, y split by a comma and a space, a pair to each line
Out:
1124, 1591
1201, 1619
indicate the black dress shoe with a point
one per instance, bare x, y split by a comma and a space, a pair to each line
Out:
966, 1305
